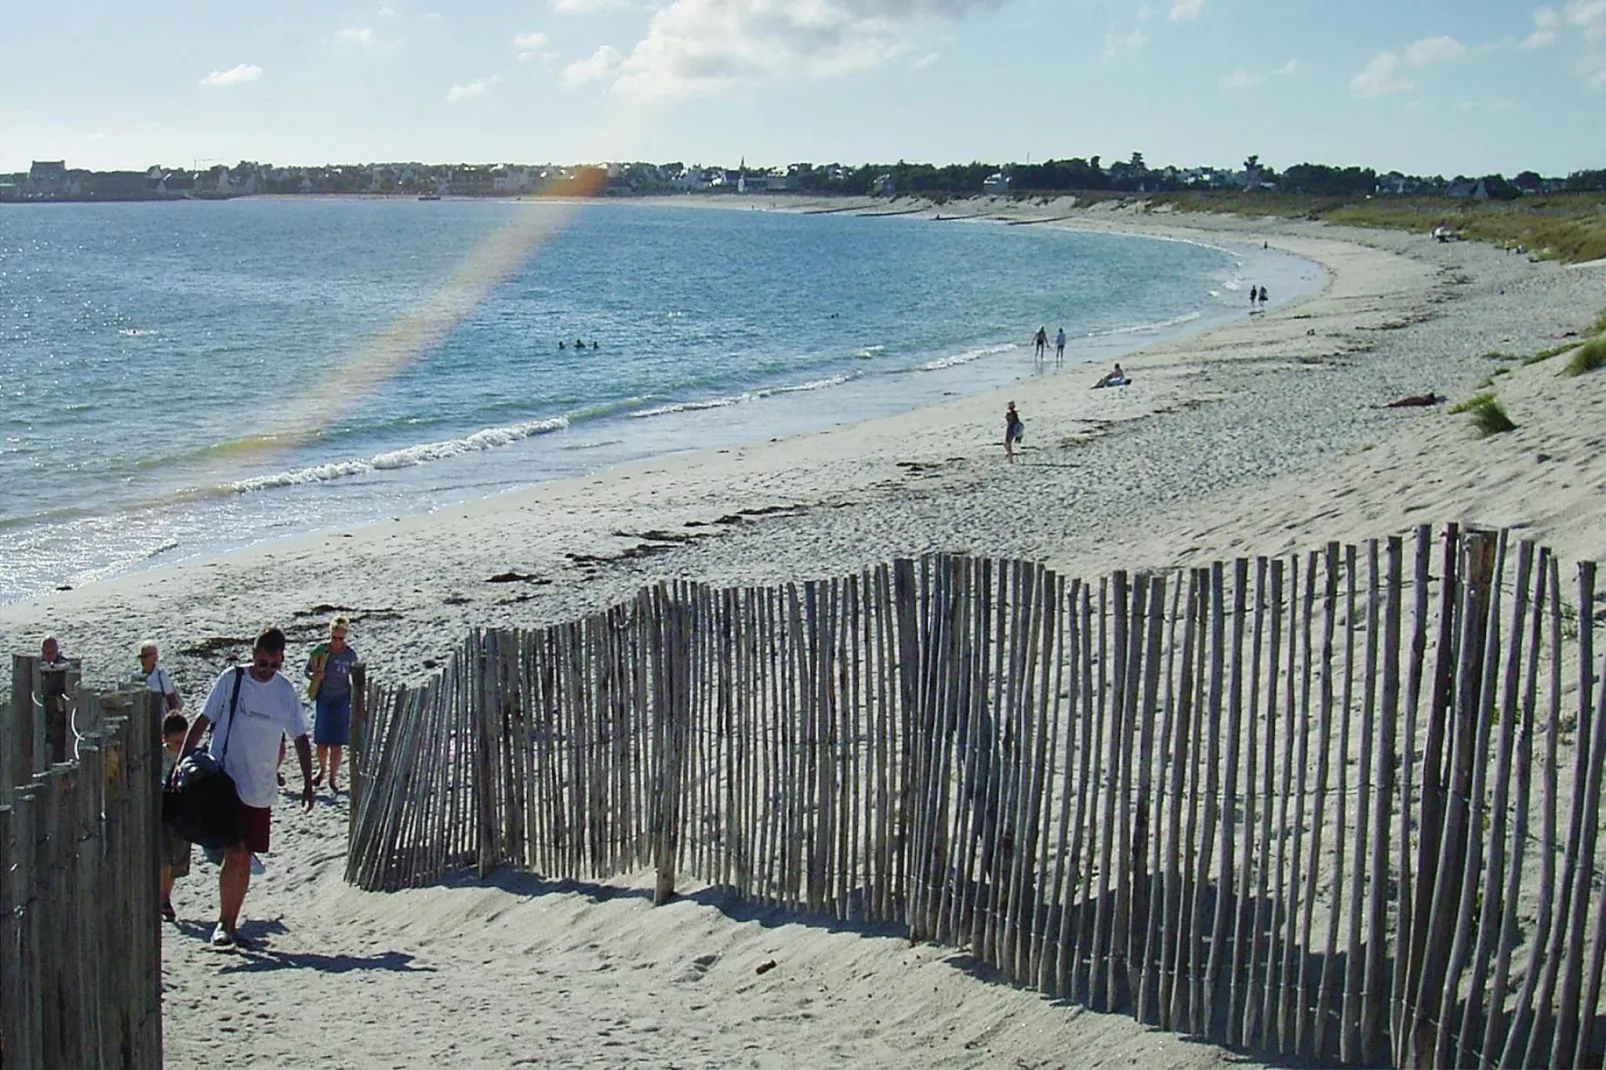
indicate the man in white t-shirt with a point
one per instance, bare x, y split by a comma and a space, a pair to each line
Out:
246, 742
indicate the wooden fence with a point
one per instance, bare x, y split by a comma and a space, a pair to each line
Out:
1341, 807
80, 936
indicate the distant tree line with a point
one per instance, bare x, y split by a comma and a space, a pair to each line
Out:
1131, 175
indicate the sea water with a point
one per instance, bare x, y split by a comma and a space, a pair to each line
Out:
183, 379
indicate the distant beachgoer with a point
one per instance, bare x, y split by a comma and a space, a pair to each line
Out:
1040, 342
254, 707
560, 344
50, 651
1114, 377
329, 670
1254, 295
579, 344
1014, 430
1413, 401
175, 848
1059, 346
593, 345
157, 678
1263, 297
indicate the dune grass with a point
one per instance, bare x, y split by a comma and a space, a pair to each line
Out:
1570, 227
1471, 403
1488, 415
1587, 357
1546, 354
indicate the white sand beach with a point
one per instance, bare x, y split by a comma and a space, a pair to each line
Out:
1257, 438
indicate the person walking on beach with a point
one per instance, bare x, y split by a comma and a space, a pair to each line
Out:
329, 670
1040, 343
1059, 346
175, 848
1014, 429
1263, 298
254, 707
157, 678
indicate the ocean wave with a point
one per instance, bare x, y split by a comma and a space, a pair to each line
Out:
965, 356
136, 332
745, 396
1140, 328
868, 352
487, 439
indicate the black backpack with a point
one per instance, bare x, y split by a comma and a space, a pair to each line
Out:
199, 801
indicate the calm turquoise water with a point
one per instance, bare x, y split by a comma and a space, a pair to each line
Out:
180, 379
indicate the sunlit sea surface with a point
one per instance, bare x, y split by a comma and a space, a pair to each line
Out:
182, 379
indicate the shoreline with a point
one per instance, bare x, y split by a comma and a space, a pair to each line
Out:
552, 444
1254, 438
580, 539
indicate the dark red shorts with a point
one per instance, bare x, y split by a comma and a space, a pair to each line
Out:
255, 822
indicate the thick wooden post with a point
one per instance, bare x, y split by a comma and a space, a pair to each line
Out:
16, 727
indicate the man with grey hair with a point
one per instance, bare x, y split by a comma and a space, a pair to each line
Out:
50, 651
157, 678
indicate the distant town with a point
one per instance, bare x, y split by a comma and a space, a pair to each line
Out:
54, 180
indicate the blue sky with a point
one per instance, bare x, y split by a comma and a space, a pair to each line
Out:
1425, 86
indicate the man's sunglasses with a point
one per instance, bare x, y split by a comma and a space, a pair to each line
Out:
265, 662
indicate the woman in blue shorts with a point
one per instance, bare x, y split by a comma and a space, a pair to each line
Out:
329, 670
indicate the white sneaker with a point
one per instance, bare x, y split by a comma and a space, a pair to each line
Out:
257, 868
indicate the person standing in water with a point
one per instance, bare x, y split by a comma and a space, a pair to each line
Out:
1059, 346
1040, 343
1013, 430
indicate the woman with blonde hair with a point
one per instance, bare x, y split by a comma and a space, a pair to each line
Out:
329, 670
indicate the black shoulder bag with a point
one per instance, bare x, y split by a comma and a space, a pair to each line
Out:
199, 801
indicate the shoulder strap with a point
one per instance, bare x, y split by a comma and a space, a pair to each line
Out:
234, 704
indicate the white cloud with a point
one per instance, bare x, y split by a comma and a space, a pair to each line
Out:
233, 76
362, 35
1115, 44
925, 61
1186, 9
1242, 78
386, 11
583, 7
711, 46
1590, 15
477, 88
1547, 21
604, 63
1431, 50
530, 46
1378, 78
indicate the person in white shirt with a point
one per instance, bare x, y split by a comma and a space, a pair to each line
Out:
246, 743
157, 678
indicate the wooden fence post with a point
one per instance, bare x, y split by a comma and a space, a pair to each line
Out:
16, 728
356, 765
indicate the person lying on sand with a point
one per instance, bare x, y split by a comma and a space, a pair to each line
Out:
1414, 401
1115, 377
